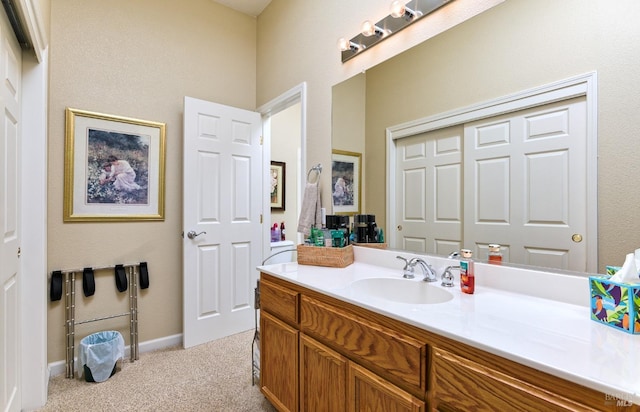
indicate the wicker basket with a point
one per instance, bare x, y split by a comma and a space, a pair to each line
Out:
335, 257
372, 245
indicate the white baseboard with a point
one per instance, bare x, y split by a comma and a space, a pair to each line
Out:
60, 367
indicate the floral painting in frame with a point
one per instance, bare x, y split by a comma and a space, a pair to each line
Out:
114, 168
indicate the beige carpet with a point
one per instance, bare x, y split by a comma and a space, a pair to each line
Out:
212, 377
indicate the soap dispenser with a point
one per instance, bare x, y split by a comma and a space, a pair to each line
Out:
467, 275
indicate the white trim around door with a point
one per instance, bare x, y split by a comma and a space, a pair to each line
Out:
267, 110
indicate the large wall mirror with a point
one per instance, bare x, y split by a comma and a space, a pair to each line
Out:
514, 47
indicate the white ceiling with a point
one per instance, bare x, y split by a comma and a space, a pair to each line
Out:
250, 7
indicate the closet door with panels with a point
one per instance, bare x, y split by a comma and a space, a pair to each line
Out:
525, 185
429, 191
518, 179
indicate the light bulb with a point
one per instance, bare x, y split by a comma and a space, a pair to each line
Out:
397, 9
343, 44
368, 28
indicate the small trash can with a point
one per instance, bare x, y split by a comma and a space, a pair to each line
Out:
98, 355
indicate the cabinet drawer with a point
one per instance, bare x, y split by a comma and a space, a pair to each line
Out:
461, 384
378, 347
280, 301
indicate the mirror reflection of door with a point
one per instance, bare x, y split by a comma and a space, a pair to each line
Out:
286, 147
523, 170
429, 191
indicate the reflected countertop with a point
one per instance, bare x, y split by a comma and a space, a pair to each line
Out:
544, 324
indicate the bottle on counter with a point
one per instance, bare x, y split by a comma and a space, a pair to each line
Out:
495, 256
282, 237
467, 275
275, 233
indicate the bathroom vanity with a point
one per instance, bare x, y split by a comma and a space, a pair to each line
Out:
361, 338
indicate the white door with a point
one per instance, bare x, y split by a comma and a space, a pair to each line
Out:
525, 185
10, 325
222, 203
429, 191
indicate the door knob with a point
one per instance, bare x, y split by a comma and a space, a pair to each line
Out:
577, 238
192, 234
400, 227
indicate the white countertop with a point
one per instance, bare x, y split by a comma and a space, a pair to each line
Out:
521, 315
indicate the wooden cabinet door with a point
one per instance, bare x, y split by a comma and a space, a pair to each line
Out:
279, 362
369, 392
323, 378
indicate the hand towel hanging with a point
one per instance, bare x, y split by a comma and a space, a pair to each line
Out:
310, 213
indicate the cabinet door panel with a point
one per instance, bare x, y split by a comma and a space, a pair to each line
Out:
368, 392
323, 377
279, 362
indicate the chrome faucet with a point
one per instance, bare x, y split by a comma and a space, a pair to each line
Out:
447, 276
408, 270
429, 273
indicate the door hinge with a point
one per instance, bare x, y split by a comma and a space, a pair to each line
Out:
260, 218
260, 140
19, 252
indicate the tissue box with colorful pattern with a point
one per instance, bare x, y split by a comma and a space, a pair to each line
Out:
615, 304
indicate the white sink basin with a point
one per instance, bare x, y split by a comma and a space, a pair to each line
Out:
400, 291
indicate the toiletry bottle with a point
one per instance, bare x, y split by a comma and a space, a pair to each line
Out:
312, 236
319, 237
467, 276
495, 256
352, 236
282, 231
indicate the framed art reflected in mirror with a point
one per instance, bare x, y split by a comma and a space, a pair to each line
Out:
278, 174
346, 175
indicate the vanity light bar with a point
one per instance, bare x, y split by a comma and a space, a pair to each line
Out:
406, 15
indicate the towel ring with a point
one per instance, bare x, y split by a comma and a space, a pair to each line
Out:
318, 169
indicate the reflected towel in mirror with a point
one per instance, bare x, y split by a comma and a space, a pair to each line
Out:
310, 214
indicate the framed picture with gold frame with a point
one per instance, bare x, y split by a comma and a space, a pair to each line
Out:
346, 178
114, 168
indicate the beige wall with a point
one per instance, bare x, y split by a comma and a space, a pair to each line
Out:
515, 46
137, 59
